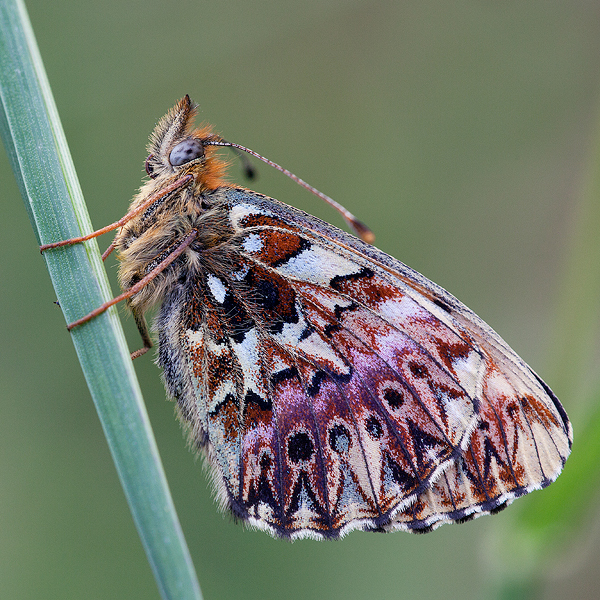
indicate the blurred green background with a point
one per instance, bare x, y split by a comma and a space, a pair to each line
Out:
460, 132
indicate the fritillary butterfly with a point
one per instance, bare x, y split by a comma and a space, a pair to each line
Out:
330, 386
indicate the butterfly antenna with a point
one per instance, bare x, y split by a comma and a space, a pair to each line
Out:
249, 170
358, 226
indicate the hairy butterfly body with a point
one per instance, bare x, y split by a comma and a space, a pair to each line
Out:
331, 386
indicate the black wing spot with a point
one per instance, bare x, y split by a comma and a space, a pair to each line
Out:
424, 442
303, 244
315, 384
265, 461
306, 332
337, 281
339, 439
223, 404
237, 320
303, 494
442, 305
300, 447
254, 398
283, 375
394, 398
374, 427
404, 479
418, 370
266, 293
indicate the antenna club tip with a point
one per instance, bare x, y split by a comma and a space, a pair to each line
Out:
367, 236
249, 171
363, 232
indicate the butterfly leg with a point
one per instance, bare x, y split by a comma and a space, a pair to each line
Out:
134, 289
177, 184
106, 253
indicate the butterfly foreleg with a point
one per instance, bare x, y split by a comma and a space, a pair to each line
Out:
177, 184
134, 289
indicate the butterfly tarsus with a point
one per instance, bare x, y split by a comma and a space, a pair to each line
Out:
142, 326
139, 352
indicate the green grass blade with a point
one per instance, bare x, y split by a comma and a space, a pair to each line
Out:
36, 146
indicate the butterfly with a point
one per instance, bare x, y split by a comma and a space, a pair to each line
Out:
330, 386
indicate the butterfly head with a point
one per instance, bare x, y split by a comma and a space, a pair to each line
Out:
177, 149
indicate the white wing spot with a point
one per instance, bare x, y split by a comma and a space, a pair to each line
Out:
469, 371
241, 211
318, 263
253, 243
217, 289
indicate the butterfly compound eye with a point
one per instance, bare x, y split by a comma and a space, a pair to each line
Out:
186, 151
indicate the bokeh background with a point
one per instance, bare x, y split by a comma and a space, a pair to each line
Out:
460, 132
